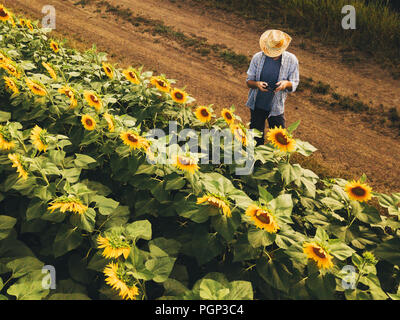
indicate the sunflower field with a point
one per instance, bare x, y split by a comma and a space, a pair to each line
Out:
81, 190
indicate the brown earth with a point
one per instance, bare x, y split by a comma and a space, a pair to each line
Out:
346, 143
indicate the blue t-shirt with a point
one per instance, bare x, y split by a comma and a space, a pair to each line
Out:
270, 75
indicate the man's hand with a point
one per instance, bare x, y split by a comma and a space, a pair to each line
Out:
262, 86
282, 85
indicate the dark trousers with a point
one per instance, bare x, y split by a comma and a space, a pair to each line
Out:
257, 121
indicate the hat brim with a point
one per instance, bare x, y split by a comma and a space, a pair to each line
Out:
274, 52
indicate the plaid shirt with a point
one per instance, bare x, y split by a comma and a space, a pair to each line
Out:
289, 71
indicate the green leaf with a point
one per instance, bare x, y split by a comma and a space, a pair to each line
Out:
139, 229
258, 237
29, 287
85, 221
289, 172
213, 290
275, 274
106, 205
69, 296
240, 290
25, 265
67, 239
340, 250
162, 247
161, 267
225, 226
83, 160
6, 224
305, 148
5, 116
293, 126
321, 287
264, 194
389, 251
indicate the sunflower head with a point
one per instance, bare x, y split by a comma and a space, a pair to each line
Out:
39, 138
88, 122
18, 163
179, 96
110, 121
69, 92
50, 70
281, 139
121, 281
131, 75
134, 140
108, 69
93, 100
114, 245
186, 163
6, 142
228, 116
29, 25
262, 218
203, 114
11, 85
10, 67
160, 83
4, 13
217, 202
358, 191
70, 203
36, 88
319, 254
54, 46
239, 132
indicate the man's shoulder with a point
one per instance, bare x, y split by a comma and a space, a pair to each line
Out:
258, 55
291, 57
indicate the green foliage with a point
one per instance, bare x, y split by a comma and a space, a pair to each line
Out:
91, 206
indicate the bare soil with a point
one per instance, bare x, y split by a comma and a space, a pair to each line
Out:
346, 143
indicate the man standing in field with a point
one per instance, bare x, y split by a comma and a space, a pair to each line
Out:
273, 72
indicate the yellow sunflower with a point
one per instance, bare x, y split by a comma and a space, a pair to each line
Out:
133, 140
4, 14
54, 46
179, 96
216, 202
358, 191
160, 84
71, 204
93, 100
228, 116
29, 25
131, 75
11, 69
239, 133
120, 281
36, 88
50, 70
6, 142
114, 246
88, 122
38, 137
186, 164
4, 59
319, 254
280, 138
110, 121
108, 70
11, 85
69, 92
262, 218
17, 163
22, 22
203, 114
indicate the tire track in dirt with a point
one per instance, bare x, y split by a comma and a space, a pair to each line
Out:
344, 140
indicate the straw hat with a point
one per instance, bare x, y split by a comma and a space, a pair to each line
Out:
274, 42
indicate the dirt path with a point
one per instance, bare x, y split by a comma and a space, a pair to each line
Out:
345, 142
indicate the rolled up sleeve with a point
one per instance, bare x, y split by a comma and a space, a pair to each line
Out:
252, 72
294, 75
